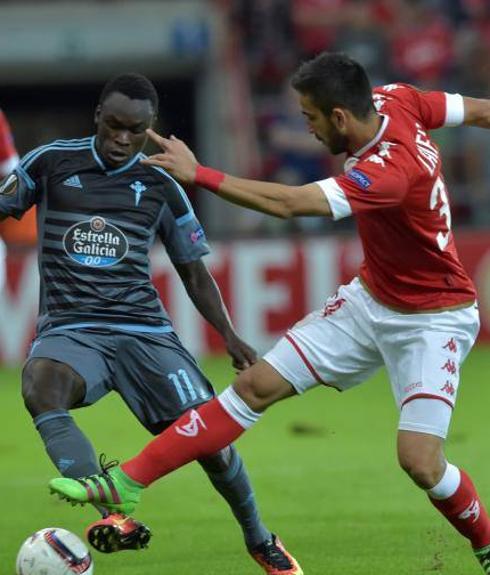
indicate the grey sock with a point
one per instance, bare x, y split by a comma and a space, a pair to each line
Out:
234, 485
66, 445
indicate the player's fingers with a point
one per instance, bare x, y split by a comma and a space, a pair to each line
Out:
152, 159
155, 160
160, 140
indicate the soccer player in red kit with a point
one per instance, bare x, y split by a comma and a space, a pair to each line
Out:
8, 160
412, 307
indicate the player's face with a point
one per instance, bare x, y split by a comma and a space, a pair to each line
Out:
121, 123
322, 127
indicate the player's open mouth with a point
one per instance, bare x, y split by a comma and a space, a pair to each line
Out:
117, 156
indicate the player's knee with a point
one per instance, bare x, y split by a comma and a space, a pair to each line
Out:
423, 470
253, 390
48, 384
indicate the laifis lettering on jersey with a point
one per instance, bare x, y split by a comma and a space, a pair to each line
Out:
428, 153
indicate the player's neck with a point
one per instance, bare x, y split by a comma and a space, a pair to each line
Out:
365, 132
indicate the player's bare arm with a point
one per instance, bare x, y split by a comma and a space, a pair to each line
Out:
270, 198
477, 112
206, 296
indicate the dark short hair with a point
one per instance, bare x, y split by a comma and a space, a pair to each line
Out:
333, 79
134, 86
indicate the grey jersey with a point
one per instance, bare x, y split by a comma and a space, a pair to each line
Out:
96, 227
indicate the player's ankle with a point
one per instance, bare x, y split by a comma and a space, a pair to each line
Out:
128, 482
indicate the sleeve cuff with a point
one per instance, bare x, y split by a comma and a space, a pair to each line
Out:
7, 166
454, 110
339, 204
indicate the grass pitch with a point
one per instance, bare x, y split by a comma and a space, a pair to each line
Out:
324, 471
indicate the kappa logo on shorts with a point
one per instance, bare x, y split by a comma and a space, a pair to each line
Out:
473, 510
331, 308
191, 429
451, 346
450, 366
448, 387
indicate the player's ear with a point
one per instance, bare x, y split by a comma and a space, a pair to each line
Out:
338, 117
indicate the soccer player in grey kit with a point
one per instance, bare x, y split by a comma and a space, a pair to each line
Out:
102, 326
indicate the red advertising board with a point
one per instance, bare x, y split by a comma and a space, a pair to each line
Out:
268, 285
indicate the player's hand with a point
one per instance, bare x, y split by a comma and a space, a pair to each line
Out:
241, 353
177, 158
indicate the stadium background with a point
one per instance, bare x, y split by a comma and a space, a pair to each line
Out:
221, 68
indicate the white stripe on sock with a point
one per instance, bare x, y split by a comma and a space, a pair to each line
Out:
236, 408
448, 484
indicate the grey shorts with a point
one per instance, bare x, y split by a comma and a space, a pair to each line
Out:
154, 374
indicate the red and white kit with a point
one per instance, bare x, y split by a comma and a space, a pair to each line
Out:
8, 161
413, 306
8, 153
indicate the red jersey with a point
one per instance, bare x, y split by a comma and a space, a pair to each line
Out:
395, 188
8, 153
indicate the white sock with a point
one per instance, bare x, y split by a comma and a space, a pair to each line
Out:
236, 408
448, 484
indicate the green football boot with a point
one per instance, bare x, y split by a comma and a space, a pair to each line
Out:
111, 488
483, 556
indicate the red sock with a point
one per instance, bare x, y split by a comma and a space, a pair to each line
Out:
466, 513
195, 434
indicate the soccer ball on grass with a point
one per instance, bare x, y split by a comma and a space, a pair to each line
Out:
54, 551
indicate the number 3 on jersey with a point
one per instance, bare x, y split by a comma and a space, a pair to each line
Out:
439, 195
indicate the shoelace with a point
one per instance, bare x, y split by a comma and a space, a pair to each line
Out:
275, 555
105, 465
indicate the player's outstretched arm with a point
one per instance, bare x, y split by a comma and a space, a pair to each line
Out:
267, 197
206, 296
476, 112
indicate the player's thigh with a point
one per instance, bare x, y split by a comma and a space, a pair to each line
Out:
330, 347
83, 356
158, 378
424, 352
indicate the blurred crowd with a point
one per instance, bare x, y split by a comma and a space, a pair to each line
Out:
433, 44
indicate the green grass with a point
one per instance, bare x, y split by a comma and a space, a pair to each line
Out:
324, 470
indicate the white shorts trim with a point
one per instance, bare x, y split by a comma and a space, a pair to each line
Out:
425, 415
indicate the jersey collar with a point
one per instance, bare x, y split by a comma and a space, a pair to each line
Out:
376, 139
108, 171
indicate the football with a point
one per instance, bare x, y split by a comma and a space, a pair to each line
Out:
54, 551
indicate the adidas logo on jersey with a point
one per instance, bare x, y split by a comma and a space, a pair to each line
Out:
191, 429
73, 182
